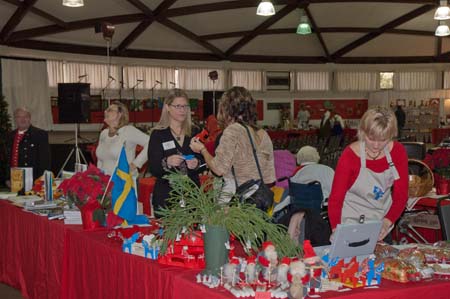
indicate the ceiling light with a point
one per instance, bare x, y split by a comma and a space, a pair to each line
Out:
73, 3
443, 11
303, 28
265, 8
442, 30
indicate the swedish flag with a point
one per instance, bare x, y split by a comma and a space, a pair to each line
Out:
124, 201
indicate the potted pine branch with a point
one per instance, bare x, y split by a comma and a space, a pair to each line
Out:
190, 206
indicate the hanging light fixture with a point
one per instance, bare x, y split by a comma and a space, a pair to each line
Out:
442, 29
265, 8
443, 11
303, 27
73, 3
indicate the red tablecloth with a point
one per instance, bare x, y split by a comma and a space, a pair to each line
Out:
46, 259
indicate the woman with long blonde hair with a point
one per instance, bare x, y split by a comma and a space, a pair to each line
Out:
168, 148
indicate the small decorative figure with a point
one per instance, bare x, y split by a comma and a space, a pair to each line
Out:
297, 273
268, 259
150, 246
128, 242
250, 270
231, 272
282, 270
313, 265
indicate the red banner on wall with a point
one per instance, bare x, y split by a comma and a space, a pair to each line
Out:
347, 108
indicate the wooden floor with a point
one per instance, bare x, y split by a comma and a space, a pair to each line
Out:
6, 292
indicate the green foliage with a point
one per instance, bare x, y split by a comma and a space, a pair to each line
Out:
5, 127
190, 206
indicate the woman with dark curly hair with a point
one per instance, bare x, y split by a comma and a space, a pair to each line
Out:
237, 111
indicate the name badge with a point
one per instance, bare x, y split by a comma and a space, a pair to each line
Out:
168, 145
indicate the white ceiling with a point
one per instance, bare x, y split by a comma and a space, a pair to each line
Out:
183, 30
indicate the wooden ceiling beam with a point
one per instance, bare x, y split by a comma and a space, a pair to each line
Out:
75, 25
183, 31
158, 14
391, 25
227, 5
16, 18
260, 28
40, 13
322, 30
91, 50
438, 46
318, 33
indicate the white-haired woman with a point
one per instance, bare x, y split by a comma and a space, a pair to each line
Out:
117, 134
169, 149
310, 170
371, 179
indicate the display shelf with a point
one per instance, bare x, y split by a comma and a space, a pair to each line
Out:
420, 121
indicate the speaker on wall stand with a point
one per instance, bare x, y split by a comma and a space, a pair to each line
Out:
74, 105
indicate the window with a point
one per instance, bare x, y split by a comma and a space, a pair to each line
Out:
386, 80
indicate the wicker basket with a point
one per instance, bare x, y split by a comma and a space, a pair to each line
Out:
421, 184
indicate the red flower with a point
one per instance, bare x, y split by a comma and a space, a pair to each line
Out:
87, 186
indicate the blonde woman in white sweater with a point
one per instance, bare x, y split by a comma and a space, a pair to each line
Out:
115, 135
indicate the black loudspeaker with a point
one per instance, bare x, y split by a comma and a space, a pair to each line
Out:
73, 102
208, 102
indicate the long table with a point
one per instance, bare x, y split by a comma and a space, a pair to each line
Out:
47, 259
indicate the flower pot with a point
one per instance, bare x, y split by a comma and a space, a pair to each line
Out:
87, 215
216, 254
443, 187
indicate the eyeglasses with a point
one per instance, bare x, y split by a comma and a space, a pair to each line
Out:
181, 107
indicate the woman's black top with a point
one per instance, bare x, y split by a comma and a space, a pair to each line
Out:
163, 144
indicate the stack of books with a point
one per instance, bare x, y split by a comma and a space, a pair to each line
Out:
72, 216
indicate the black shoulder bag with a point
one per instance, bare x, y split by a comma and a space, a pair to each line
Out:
254, 191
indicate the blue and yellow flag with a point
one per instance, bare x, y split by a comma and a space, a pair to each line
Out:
124, 201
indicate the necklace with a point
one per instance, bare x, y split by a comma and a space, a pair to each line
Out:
373, 157
177, 136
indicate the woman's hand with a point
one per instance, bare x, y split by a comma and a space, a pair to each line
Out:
385, 228
192, 164
174, 160
133, 167
196, 145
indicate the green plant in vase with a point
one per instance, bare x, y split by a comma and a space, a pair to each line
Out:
190, 206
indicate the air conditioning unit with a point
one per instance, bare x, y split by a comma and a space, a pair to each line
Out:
278, 80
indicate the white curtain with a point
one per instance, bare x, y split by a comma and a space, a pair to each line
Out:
446, 83
153, 76
313, 81
25, 84
252, 80
95, 74
416, 80
356, 81
198, 79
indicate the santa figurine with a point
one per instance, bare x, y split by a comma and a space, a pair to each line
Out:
282, 270
231, 272
314, 267
297, 273
268, 259
250, 270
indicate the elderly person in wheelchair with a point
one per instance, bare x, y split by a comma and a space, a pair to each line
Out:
309, 170
309, 187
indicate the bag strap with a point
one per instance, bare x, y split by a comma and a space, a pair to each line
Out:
254, 155
254, 152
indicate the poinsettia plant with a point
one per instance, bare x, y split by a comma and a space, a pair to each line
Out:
87, 189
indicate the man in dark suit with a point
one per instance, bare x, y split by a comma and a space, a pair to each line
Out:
27, 145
